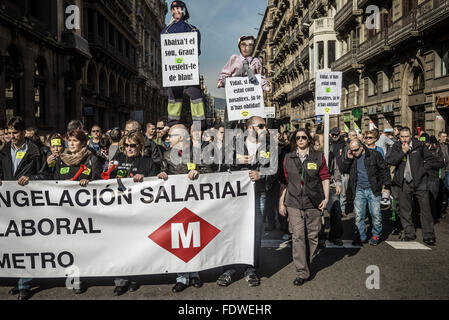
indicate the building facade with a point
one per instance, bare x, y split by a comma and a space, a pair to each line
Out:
100, 73
394, 64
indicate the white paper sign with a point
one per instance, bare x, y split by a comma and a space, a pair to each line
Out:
153, 227
270, 112
243, 99
180, 59
328, 93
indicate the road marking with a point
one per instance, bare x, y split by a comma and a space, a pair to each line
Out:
408, 245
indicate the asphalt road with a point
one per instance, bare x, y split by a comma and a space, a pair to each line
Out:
337, 273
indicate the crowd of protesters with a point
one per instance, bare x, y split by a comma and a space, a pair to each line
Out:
367, 172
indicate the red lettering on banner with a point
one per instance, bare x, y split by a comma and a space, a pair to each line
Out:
185, 235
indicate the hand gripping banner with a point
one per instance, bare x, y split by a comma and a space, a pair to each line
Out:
152, 227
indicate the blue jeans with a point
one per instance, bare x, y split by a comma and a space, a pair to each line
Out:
446, 184
362, 197
24, 283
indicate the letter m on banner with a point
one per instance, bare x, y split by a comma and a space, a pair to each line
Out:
184, 235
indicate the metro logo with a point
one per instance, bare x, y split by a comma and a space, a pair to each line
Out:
184, 235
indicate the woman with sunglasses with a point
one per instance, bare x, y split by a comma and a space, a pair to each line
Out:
130, 162
304, 198
370, 141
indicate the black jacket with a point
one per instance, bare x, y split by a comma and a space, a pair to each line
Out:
132, 166
337, 152
421, 160
437, 164
376, 168
28, 167
65, 172
153, 151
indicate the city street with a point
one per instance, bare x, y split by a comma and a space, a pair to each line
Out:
338, 273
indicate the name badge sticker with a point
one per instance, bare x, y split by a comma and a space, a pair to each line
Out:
312, 166
20, 155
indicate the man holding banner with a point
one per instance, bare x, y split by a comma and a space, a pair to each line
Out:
175, 92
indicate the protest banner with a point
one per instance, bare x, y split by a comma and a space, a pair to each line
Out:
152, 227
328, 93
243, 99
180, 59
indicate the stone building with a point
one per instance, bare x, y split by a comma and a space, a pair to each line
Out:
395, 64
99, 73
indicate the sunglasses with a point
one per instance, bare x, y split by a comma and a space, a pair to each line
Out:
133, 145
174, 135
334, 135
162, 128
369, 138
260, 126
356, 150
301, 138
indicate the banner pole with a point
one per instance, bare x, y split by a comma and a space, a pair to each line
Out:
326, 137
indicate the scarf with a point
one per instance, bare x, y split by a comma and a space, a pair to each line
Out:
74, 159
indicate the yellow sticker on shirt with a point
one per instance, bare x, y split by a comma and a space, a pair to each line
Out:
264, 154
239, 156
191, 166
20, 155
312, 166
87, 172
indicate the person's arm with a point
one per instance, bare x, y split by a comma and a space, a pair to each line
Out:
325, 178
226, 72
396, 155
347, 162
282, 208
384, 172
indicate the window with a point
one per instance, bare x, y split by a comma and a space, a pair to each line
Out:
418, 80
330, 52
111, 34
445, 59
320, 55
372, 86
39, 91
387, 81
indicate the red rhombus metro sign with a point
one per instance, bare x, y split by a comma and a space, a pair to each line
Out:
184, 235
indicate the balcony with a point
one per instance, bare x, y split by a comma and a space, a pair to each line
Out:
373, 47
431, 13
280, 28
346, 14
346, 62
317, 7
305, 21
321, 25
403, 29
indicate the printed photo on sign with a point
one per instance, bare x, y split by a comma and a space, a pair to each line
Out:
328, 93
180, 59
243, 99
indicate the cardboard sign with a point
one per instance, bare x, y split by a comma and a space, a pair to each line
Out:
243, 99
270, 112
180, 59
328, 93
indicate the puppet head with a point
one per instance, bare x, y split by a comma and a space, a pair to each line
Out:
246, 45
182, 5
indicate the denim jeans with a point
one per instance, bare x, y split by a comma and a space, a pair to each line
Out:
446, 184
24, 283
363, 197
185, 277
344, 187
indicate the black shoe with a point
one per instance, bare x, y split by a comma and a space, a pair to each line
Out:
270, 227
119, 290
14, 291
133, 287
224, 280
196, 282
430, 241
299, 281
179, 286
407, 238
337, 242
396, 232
80, 290
253, 280
24, 294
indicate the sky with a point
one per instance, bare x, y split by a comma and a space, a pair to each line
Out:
221, 23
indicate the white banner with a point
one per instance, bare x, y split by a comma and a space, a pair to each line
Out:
180, 59
243, 99
153, 227
328, 93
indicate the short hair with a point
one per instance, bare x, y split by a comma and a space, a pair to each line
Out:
357, 141
375, 133
397, 126
79, 135
17, 123
135, 136
116, 134
163, 119
74, 125
34, 129
149, 124
405, 129
104, 143
441, 132
136, 125
95, 125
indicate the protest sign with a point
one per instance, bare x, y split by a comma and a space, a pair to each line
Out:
328, 93
270, 112
243, 99
180, 59
152, 227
